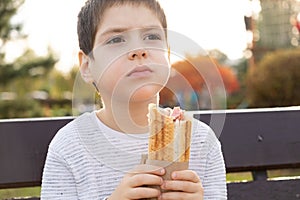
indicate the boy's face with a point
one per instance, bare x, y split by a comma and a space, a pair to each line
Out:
130, 54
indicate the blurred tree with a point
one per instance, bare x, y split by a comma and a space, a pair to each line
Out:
229, 78
238, 98
238, 67
42, 96
28, 64
190, 80
21, 78
218, 55
8, 9
275, 80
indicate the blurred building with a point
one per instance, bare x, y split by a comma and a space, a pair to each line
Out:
276, 26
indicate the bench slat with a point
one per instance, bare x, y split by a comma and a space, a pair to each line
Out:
23, 148
260, 140
262, 190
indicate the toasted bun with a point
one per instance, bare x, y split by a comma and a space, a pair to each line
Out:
169, 138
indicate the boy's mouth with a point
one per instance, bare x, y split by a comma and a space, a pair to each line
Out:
140, 71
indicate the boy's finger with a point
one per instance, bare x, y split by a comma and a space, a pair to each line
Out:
186, 175
185, 186
175, 195
144, 192
150, 169
145, 179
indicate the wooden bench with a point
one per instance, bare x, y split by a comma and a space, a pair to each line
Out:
252, 140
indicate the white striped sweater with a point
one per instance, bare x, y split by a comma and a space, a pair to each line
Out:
87, 160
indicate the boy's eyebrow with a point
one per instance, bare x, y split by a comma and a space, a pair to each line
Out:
114, 30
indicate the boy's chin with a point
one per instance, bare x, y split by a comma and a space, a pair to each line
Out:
145, 94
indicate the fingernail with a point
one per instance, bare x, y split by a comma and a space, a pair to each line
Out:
162, 171
174, 175
163, 186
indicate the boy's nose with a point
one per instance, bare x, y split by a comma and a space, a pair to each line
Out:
137, 54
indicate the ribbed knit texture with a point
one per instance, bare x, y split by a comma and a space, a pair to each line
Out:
87, 160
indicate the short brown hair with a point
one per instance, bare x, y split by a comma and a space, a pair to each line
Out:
89, 18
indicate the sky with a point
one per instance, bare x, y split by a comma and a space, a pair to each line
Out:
212, 24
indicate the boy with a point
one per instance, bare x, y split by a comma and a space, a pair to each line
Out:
124, 54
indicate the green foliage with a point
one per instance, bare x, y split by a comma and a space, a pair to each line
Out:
8, 9
20, 108
27, 65
55, 89
275, 80
238, 99
29, 75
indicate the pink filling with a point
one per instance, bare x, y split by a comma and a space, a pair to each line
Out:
177, 114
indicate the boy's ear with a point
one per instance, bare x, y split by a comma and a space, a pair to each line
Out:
84, 67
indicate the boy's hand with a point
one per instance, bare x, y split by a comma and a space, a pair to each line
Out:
134, 184
186, 184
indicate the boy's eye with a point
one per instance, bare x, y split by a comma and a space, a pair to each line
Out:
153, 37
115, 40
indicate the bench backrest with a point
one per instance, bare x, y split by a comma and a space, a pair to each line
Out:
259, 139
23, 149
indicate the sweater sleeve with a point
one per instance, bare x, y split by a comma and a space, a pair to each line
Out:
215, 176
58, 181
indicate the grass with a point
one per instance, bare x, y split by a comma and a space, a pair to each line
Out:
284, 173
20, 192
238, 177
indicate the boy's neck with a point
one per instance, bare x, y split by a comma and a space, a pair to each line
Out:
130, 118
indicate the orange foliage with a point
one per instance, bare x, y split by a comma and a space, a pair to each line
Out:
194, 74
229, 78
